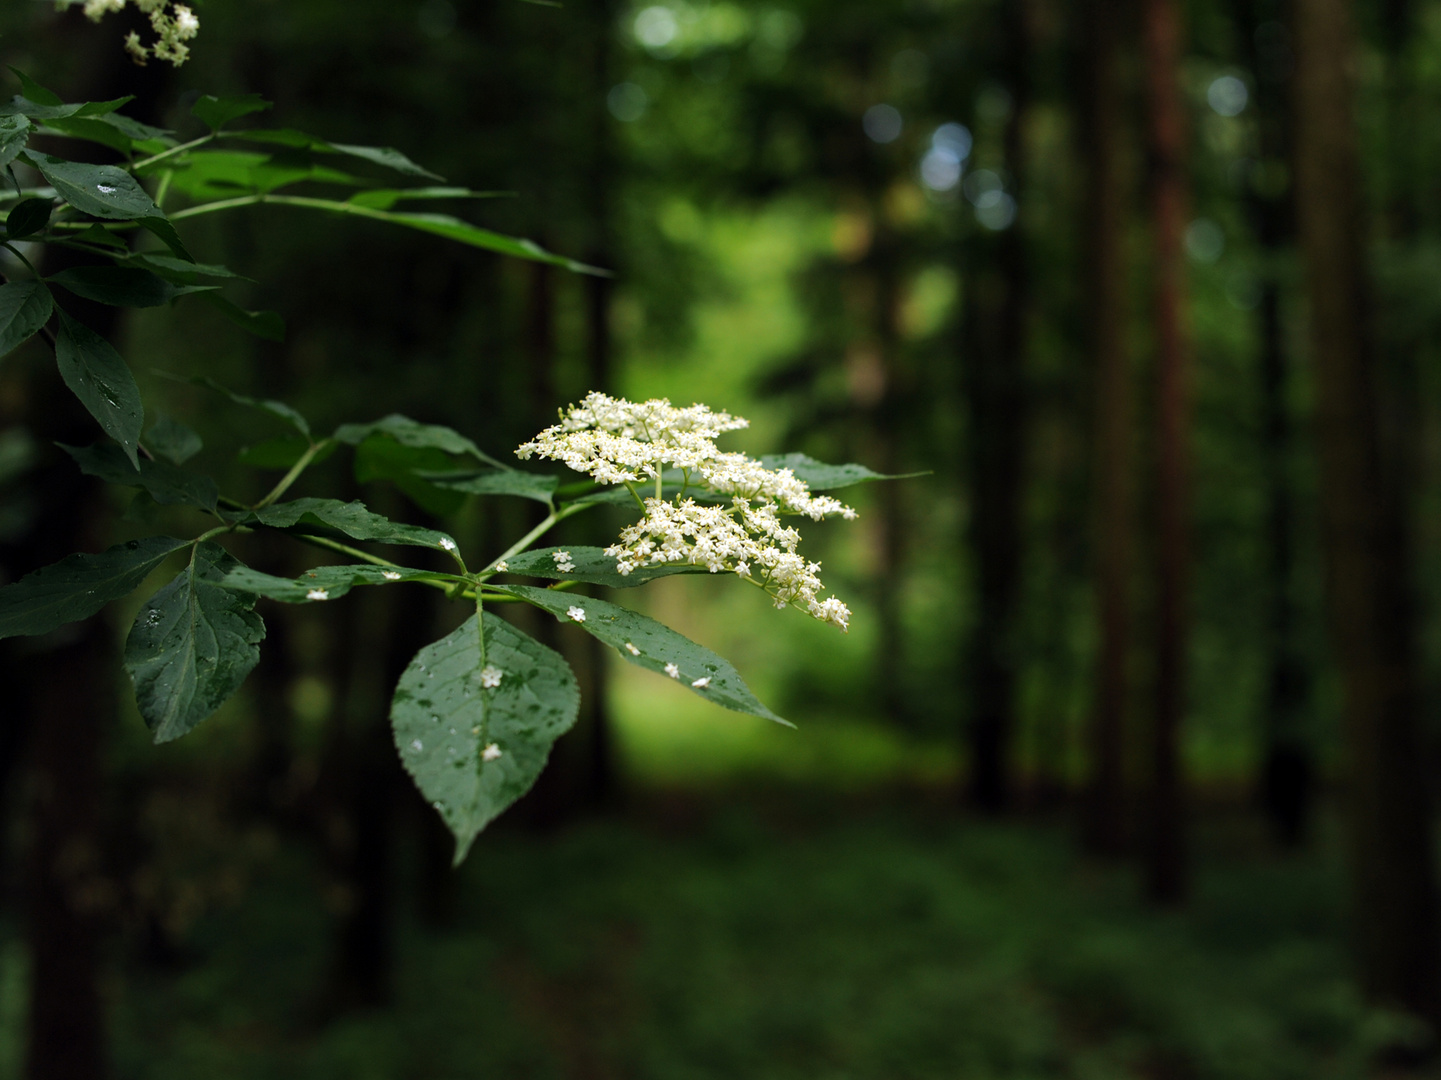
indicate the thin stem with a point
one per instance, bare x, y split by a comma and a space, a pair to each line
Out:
294, 473
284, 200
16, 252
534, 535
191, 145
163, 188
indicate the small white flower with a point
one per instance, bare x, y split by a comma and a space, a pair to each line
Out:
632, 649
447, 543
576, 613
390, 575
672, 671
490, 753
416, 745
701, 684
318, 594
500, 567
186, 24
490, 675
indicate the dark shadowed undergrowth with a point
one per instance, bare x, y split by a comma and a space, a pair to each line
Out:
763, 940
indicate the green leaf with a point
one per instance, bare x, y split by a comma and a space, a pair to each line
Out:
98, 376
28, 218
655, 645
380, 458
215, 112
589, 564
180, 271
414, 434
386, 198
92, 129
221, 174
121, 286
169, 485
99, 234
159, 224
78, 586
265, 324
102, 191
386, 156
822, 477
192, 645
172, 440
536, 486
14, 133
277, 409
444, 720
350, 518
33, 90
464, 232
25, 307
324, 582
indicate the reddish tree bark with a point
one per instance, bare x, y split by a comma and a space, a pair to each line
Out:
1393, 887
1105, 274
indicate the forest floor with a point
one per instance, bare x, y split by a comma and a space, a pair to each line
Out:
769, 938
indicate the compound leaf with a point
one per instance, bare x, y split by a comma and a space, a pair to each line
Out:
97, 375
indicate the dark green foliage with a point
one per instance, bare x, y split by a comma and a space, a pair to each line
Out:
167, 484
654, 646
589, 564
192, 645
473, 748
97, 375
25, 307
78, 586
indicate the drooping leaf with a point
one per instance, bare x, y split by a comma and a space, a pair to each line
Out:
387, 198
121, 286
159, 224
536, 486
220, 174
265, 324
14, 133
413, 433
78, 586
97, 375
33, 90
474, 749
652, 645
25, 307
822, 477
179, 271
277, 409
589, 564
192, 645
103, 191
28, 217
215, 112
322, 583
352, 519
380, 458
453, 228
385, 156
91, 129
168, 485
172, 440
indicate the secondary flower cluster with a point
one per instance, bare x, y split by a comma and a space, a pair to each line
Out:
172, 28
623, 442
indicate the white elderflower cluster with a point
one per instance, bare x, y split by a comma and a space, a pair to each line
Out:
173, 26
621, 442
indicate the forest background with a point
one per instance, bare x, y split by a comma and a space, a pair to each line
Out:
1124, 767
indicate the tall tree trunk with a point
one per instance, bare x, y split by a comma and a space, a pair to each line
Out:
1287, 773
1104, 823
996, 381
1166, 141
1393, 888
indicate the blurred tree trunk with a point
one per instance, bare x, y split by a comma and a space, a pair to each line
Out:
1393, 886
1288, 768
1166, 143
995, 367
1105, 281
